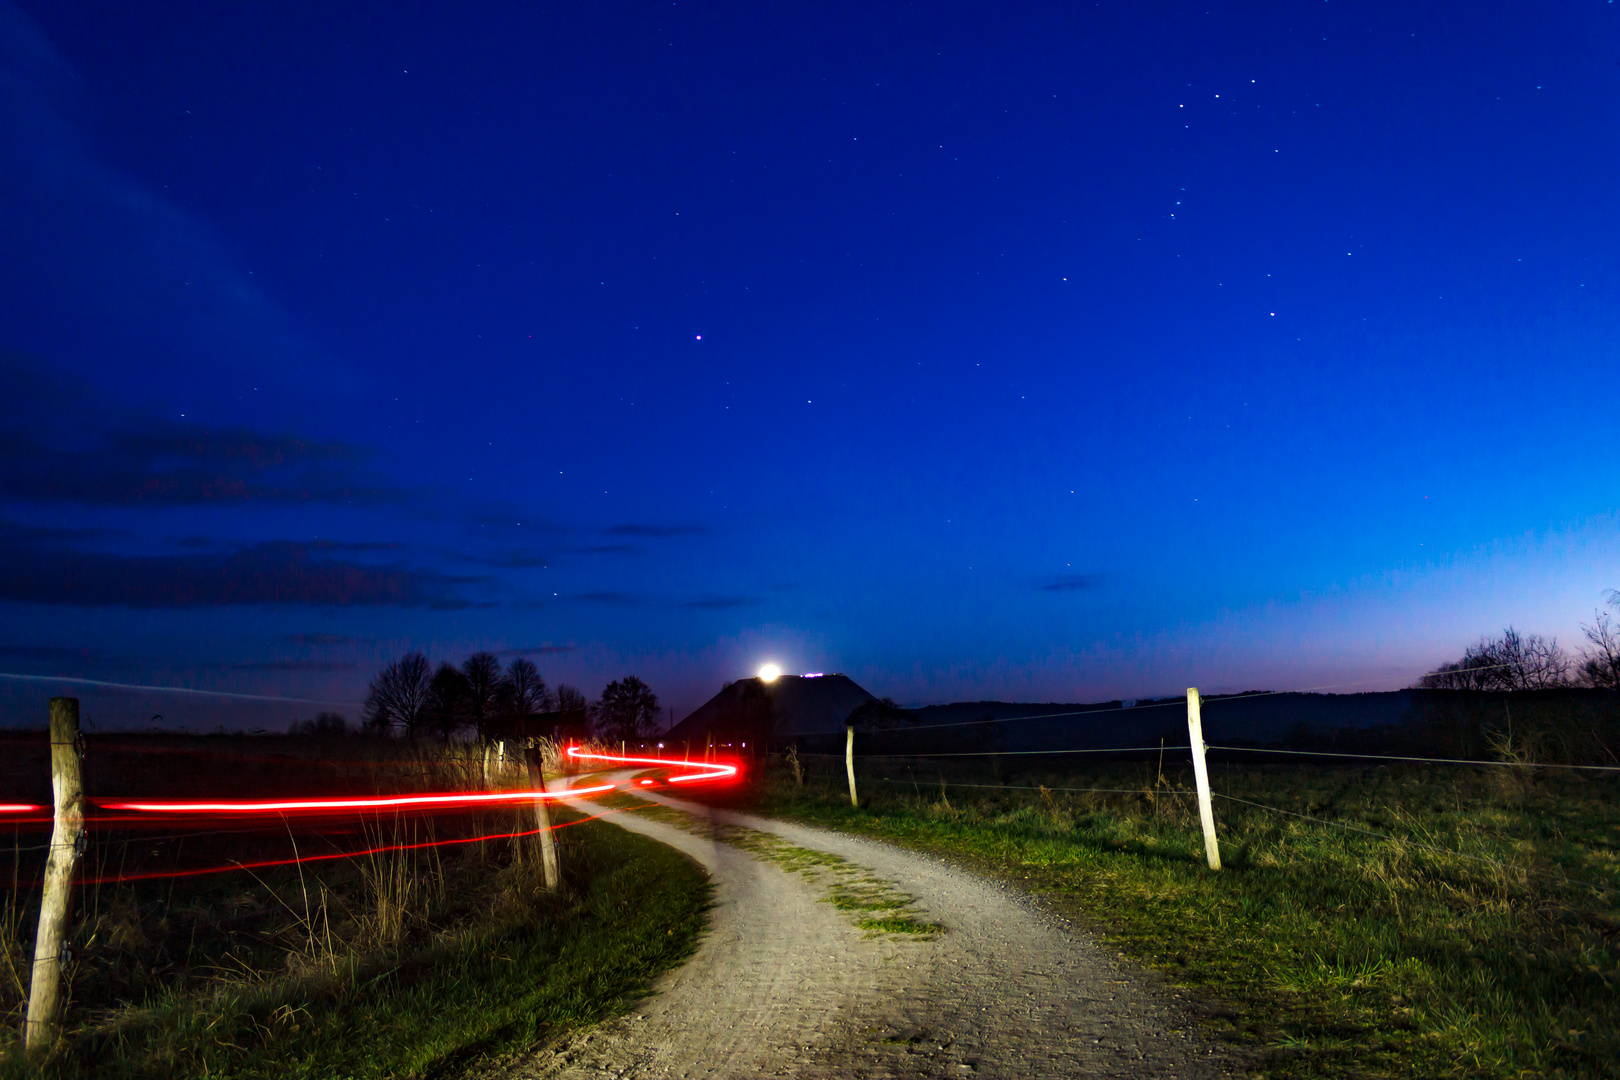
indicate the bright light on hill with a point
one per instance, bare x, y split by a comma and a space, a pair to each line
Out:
769, 672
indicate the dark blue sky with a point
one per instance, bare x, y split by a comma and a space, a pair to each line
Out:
1053, 352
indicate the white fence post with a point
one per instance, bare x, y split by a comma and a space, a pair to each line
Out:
1206, 811
45, 995
542, 818
849, 761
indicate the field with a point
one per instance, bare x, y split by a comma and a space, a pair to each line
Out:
202, 949
1396, 921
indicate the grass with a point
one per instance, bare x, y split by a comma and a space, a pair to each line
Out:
633, 910
1470, 930
398, 964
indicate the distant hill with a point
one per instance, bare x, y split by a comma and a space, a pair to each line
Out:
1239, 720
786, 706
811, 713
1566, 724
813, 710
1255, 718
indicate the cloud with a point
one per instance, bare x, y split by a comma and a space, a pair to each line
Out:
718, 603
610, 549
326, 639
538, 650
657, 532
276, 572
602, 597
702, 603
1073, 583
145, 462
51, 654
283, 665
512, 560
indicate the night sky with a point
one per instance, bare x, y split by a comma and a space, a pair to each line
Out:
1031, 352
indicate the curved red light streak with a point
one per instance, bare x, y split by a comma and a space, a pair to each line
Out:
137, 811
361, 804
716, 771
379, 802
203, 871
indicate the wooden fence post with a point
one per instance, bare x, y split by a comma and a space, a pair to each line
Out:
45, 996
1206, 810
542, 819
849, 761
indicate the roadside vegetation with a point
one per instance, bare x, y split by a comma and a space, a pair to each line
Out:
389, 946
1400, 921
416, 961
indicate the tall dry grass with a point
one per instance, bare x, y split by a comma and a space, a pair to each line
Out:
255, 935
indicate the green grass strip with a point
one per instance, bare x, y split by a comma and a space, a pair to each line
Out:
637, 909
1318, 951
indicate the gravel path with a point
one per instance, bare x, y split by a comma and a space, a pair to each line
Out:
958, 976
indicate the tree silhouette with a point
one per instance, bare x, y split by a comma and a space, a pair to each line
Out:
523, 691
627, 709
1513, 661
397, 697
482, 671
1600, 659
448, 702
570, 699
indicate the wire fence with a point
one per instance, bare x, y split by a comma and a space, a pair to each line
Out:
886, 755
1409, 757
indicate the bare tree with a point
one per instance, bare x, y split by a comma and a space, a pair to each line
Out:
397, 696
483, 674
570, 699
523, 691
627, 709
1513, 661
1600, 659
448, 702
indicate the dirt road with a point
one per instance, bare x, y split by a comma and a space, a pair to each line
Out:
951, 975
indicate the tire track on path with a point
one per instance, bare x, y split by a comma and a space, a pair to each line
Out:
786, 984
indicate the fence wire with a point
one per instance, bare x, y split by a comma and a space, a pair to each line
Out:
1010, 753
1407, 757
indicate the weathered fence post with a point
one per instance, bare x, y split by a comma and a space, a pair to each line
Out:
45, 997
849, 761
1206, 810
542, 819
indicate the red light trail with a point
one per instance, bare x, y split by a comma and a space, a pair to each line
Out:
126, 812
379, 802
362, 804
154, 875
715, 771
